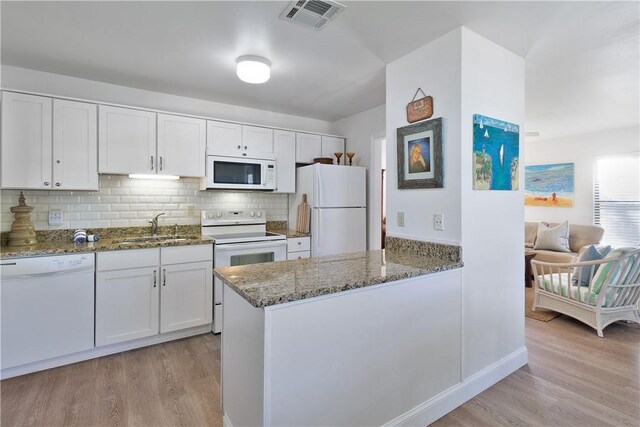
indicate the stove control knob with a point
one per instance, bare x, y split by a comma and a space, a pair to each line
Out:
218, 214
259, 214
252, 214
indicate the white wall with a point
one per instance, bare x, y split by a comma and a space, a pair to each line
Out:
580, 150
466, 74
359, 130
125, 202
492, 221
56, 84
436, 68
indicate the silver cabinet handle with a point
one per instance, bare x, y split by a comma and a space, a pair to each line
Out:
57, 184
46, 183
245, 147
239, 147
155, 278
244, 154
151, 162
160, 162
164, 277
299, 243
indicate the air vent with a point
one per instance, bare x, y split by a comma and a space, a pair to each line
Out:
312, 13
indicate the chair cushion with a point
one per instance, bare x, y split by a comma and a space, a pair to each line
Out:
560, 283
553, 238
590, 253
530, 232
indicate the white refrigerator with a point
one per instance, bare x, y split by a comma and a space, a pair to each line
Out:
337, 198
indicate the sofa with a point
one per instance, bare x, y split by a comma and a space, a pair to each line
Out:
579, 237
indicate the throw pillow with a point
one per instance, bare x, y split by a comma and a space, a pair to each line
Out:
590, 253
604, 269
553, 238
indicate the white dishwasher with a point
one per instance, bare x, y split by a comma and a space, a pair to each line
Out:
47, 307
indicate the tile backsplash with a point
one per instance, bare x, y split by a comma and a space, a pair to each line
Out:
125, 202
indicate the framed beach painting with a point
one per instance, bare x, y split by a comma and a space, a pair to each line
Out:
496, 153
420, 155
549, 185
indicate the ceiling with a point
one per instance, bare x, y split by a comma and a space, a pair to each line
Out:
582, 58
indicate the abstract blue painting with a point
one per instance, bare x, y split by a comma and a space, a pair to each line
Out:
496, 152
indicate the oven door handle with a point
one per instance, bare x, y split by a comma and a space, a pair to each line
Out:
250, 245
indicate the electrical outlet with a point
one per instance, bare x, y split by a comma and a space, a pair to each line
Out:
190, 210
400, 219
438, 222
55, 217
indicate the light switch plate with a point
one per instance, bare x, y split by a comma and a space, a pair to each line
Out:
400, 219
438, 222
55, 217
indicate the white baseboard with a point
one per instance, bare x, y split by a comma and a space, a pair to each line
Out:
102, 351
226, 422
443, 403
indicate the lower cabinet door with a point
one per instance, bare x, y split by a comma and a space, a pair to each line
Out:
187, 296
127, 304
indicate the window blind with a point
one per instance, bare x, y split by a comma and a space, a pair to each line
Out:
616, 198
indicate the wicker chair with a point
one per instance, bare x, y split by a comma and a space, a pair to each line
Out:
603, 301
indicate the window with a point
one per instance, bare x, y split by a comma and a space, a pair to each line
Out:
616, 198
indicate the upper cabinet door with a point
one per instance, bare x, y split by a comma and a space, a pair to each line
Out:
285, 151
257, 142
308, 147
331, 145
26, 141
182, 144
75, 145
224, 139
127, 141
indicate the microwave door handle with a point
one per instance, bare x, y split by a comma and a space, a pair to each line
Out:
253, 246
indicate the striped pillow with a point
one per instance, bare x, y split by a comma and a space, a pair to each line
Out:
604, 269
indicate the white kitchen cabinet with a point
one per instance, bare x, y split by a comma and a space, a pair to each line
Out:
224, 139
48, 143
26, 141
284, 143
234, 140
127, 303
330, 145
298, 247
75, 145
127, 141
308, 147
257, 142
181, 145
143, 292
187, 295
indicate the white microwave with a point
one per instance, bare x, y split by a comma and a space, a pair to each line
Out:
235, 173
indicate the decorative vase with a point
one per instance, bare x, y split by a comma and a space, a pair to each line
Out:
338, 155
350, 155
22, 232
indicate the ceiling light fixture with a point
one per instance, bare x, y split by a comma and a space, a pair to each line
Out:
253, 69
145, 176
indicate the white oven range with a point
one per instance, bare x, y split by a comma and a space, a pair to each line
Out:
239, 238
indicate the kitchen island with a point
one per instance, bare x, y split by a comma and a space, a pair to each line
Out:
366, 338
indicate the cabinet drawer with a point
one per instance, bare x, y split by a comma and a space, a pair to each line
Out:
183, 254
131, 258
299, 244
299, 255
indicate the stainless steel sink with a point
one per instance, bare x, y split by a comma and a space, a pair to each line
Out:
154, 239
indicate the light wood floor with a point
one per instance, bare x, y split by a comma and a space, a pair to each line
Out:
573, 378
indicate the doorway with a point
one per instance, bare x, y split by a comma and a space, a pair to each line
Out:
377, 191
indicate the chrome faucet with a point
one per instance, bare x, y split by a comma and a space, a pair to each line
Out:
154, 224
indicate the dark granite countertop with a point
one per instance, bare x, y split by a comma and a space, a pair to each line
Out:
274, 283
58, 242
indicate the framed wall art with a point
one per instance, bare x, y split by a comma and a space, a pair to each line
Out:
496, 154
420, 162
